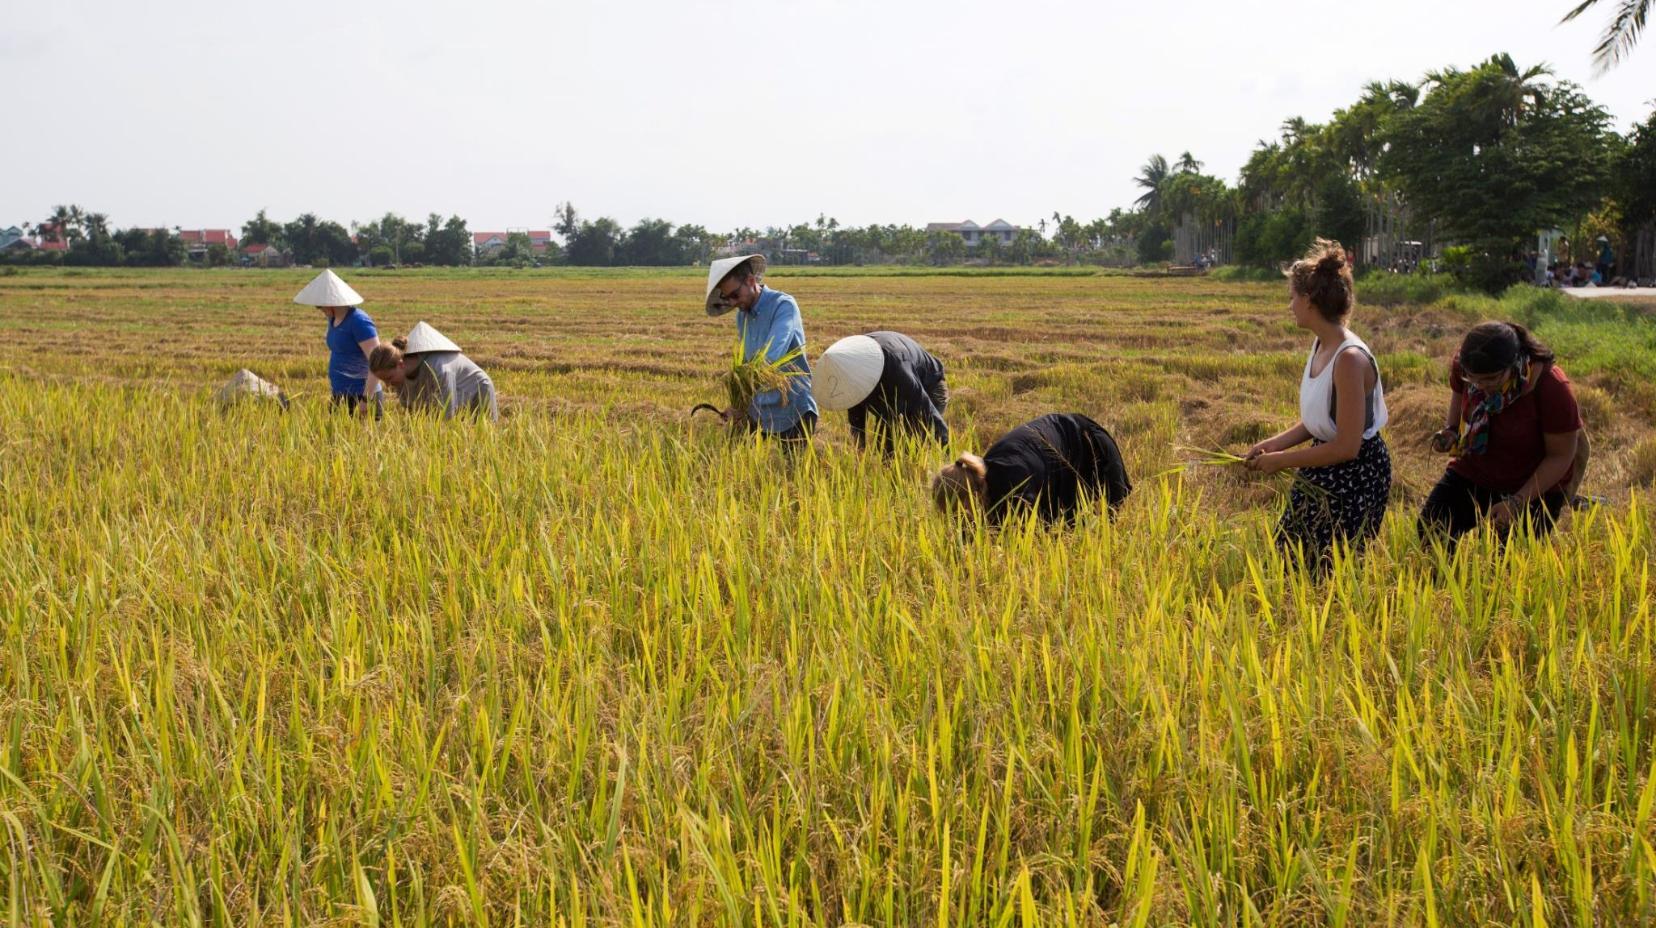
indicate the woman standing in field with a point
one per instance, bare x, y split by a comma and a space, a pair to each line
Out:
1347, 468
886, 377
769, 325
351, 337
1516, 457
429, 373
1049, 465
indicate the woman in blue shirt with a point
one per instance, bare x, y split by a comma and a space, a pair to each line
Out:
351, 336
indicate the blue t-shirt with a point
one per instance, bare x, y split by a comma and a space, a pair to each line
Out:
774, 327
347, 365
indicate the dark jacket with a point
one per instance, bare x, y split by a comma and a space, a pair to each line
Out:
911, 393
1050, 464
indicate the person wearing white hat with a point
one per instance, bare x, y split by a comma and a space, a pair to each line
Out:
888, 377
351, 337
429, 373
769, 324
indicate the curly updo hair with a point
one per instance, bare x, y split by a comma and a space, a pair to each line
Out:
1324, 277
387, 356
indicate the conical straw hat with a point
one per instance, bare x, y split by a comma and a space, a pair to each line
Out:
847, 372
328, 290
423, 338
248, 385
717, 271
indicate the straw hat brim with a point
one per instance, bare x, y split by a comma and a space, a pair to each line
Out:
718, 271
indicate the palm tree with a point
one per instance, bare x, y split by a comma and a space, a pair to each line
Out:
1620, 36
62, 225
1151, 177
1187, 164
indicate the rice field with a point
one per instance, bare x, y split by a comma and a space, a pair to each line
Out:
597, 665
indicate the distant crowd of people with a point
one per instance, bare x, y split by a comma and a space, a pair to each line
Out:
1561, 274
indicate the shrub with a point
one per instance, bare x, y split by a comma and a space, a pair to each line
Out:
1386, 289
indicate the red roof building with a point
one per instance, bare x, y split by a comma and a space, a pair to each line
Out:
196, 241
489, 242
50, 237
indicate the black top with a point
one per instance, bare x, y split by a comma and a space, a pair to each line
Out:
910, 393
1050, 463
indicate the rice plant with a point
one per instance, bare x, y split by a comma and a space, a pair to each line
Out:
294, 668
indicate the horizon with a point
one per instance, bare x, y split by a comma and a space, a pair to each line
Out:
970, 114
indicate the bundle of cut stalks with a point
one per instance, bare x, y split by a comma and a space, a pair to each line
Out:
749, 377
1286, 480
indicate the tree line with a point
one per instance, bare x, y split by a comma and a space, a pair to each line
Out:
1487, 157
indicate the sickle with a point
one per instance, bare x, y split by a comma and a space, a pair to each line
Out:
710, 408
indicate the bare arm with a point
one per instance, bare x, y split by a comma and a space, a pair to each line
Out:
1584, 453
1444, 439
1351, 369
1293, 436
1561, 453
372, 384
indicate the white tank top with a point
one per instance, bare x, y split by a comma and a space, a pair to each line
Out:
1317, 394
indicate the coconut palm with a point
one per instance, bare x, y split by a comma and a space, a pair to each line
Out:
1151, 177
1626, 23
1187, 164
62, 225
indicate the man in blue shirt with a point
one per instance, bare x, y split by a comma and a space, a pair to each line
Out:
768, 323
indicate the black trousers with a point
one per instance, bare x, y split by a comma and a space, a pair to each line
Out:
1456, 505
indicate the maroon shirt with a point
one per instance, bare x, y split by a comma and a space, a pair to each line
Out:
1516, 445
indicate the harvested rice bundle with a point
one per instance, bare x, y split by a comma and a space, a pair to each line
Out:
749, 377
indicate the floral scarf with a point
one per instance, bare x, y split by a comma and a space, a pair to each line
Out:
1475, 440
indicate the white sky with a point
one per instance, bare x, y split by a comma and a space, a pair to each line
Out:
725, 114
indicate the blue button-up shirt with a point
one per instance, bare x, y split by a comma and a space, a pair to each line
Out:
775, 328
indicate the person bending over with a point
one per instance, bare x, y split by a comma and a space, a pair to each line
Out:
429, 373
1050, 465
888, 378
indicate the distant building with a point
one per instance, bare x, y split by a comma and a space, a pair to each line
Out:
1000, 230
197, 241
487, 243
51, 237
14, 239
264, 255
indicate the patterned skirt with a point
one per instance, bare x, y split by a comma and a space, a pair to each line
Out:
1344, 502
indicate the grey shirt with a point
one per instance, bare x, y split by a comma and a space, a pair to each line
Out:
450, 382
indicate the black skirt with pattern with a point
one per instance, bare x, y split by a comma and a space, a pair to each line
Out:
1348, 504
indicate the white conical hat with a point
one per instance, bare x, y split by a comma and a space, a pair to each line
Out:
248, 385
328, 290
717, 271
847, 372
423, 338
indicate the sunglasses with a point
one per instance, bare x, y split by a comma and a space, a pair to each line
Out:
731, 294
1487, 382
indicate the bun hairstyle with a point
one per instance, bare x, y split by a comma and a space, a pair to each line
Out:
1492, 347
385, 357
1324, 277
962, 485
